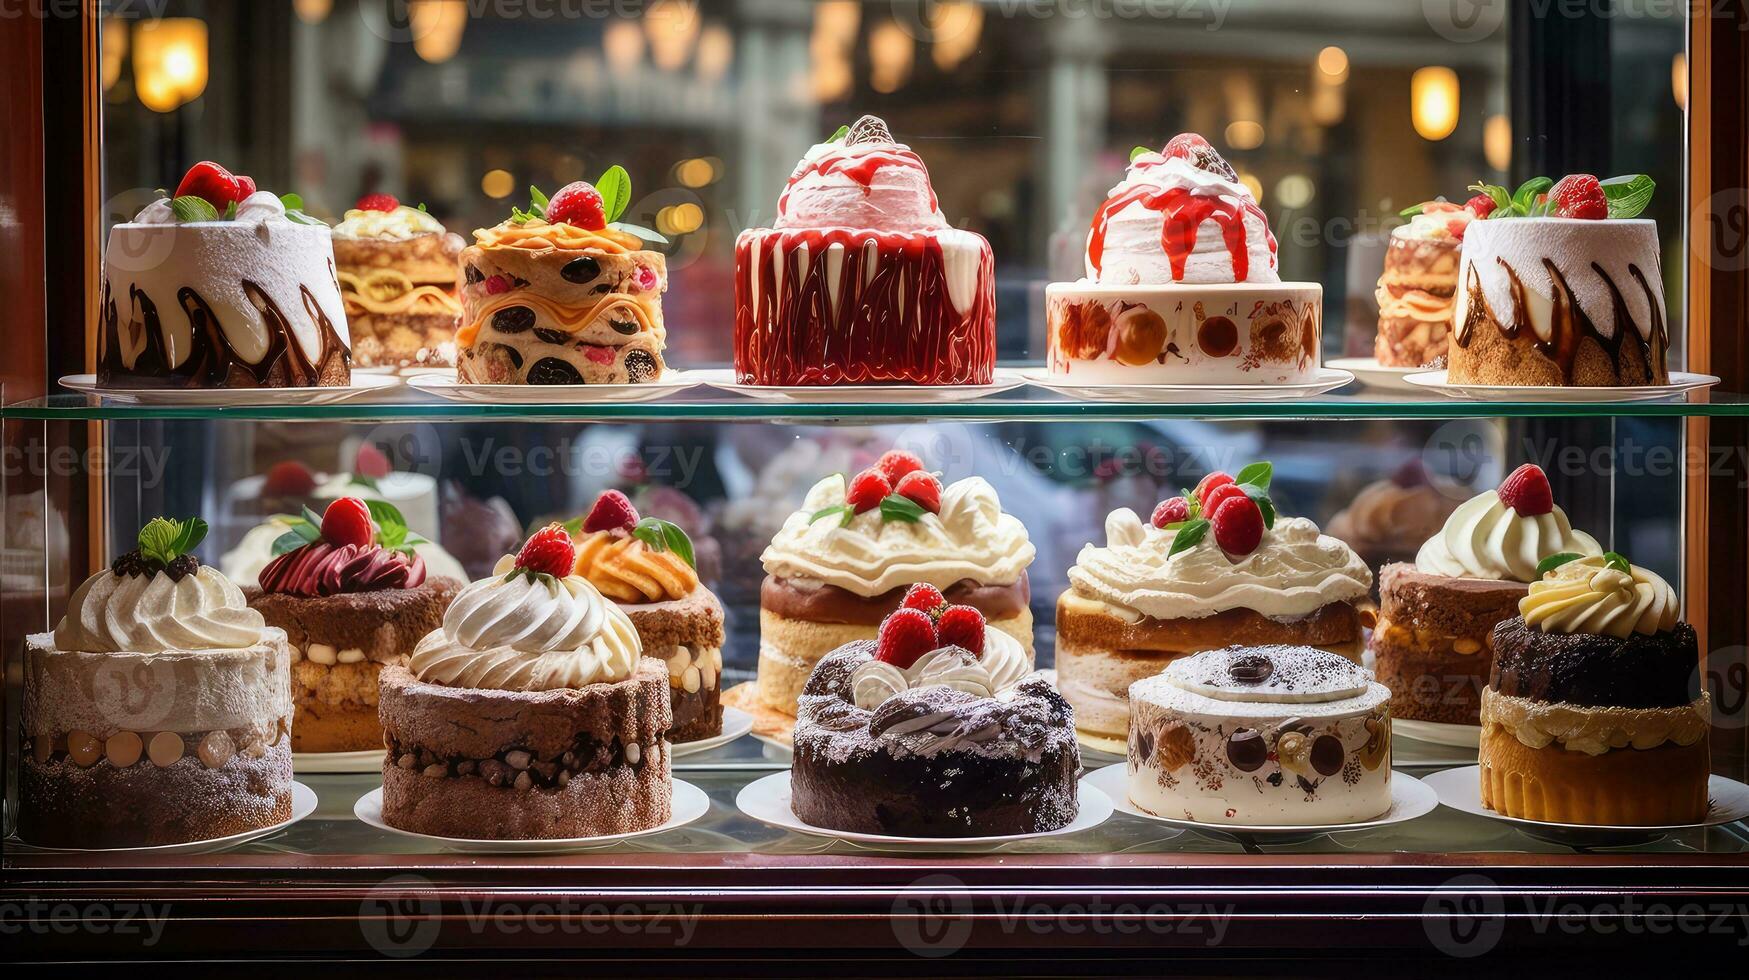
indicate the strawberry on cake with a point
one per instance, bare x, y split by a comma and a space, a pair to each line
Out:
646, 565
1211, 568
862, 280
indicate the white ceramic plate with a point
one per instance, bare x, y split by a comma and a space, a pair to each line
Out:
724, 380
1368, 371
690, 803
776, 748
736, 723
444, 385
767, 800
362, 384
1328, 379
1680, 383
303, 801
327, 763
1461, 789
1438, 732
1410, 798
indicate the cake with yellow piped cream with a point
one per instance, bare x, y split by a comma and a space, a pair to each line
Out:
398, 275
562, 294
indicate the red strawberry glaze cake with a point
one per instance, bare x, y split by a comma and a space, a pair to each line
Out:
862, 280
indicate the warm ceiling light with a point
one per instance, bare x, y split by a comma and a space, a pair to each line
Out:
1295, 191
1679, 79
623, 44
313, 11
1497, 142
672, 27
696, 172
1333, 64
1244, 134
716, 52
835, 21
1253, 185
497, 184
956, 26
1433, 102
830, 76
892, 50
436, 26
170, 61
114, 36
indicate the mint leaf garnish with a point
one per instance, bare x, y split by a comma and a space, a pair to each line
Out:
1502, 199
1555, 561
1256, 474
1628, 196
649, 236
615, 187
661, 535
537, 198
844, 512
1414, 209
1260, 497
289, 541
573, 527
1188, 537
1617, 562
897, 508
1524, 199
1138, 151
838, 137
190, 208
165, 540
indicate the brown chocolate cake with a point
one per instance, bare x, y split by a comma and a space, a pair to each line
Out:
1433, 643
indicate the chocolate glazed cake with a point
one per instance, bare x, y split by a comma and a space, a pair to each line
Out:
932, 761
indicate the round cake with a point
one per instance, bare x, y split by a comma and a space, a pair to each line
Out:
1417, 288
862, 280
933, 729
1271, 735
1593, 712
157, 711
1181, 284
398, 273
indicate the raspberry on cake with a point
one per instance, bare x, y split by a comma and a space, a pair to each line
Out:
1181, 284
646, 566
841, 564
912, 734
862, 280
1418, 286
157, 711
530, 714
1156, 593
221, 286
1593, 712
1433, 644
399, 274
352, 596
561, 293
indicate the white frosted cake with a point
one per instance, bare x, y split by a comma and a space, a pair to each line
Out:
1182, 285
220, 291
1271, 735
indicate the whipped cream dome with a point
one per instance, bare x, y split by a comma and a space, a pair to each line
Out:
993, 674
872, 184
1587, 596
112, 613
970, 539
1157, 190
1484, 538
402, 224
520, 633
1295, 571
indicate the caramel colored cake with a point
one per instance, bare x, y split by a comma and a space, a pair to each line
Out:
1593, 713
556, 296
1389, 519
1433, 645
398, 274
157, 711
530, 714
1417, 288
646, 567
352, 598
909, 737
1147, 599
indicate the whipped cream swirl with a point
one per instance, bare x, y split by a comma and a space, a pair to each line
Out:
1141, 234
260, 207
112, 613
970, 539
1295, 571
522, 633
1484, 538
1001, 667
1589, 596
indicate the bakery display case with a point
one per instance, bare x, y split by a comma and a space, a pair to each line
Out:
840, 484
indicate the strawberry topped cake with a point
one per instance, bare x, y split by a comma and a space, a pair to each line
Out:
1182, 285
937, 727
398, 273
562, 293
1418, 287
1559, 285
862, 280
221, 285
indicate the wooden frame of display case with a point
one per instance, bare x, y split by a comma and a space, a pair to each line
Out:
1311, 911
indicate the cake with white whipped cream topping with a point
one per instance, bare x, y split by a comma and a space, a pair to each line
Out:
530, 714
1182, 285
1272, 735
158, 711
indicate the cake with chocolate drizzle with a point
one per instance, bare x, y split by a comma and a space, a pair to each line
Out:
1559, 285
530, 714
936, 728
1268, 735
158, 710
221, 286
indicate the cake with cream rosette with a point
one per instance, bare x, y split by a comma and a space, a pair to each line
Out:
530, 714
1182, 284
841, 564
398, 273
158, 710
862, 280
1205, 571
221, 286
1433, 644
1593, 711
938, 727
